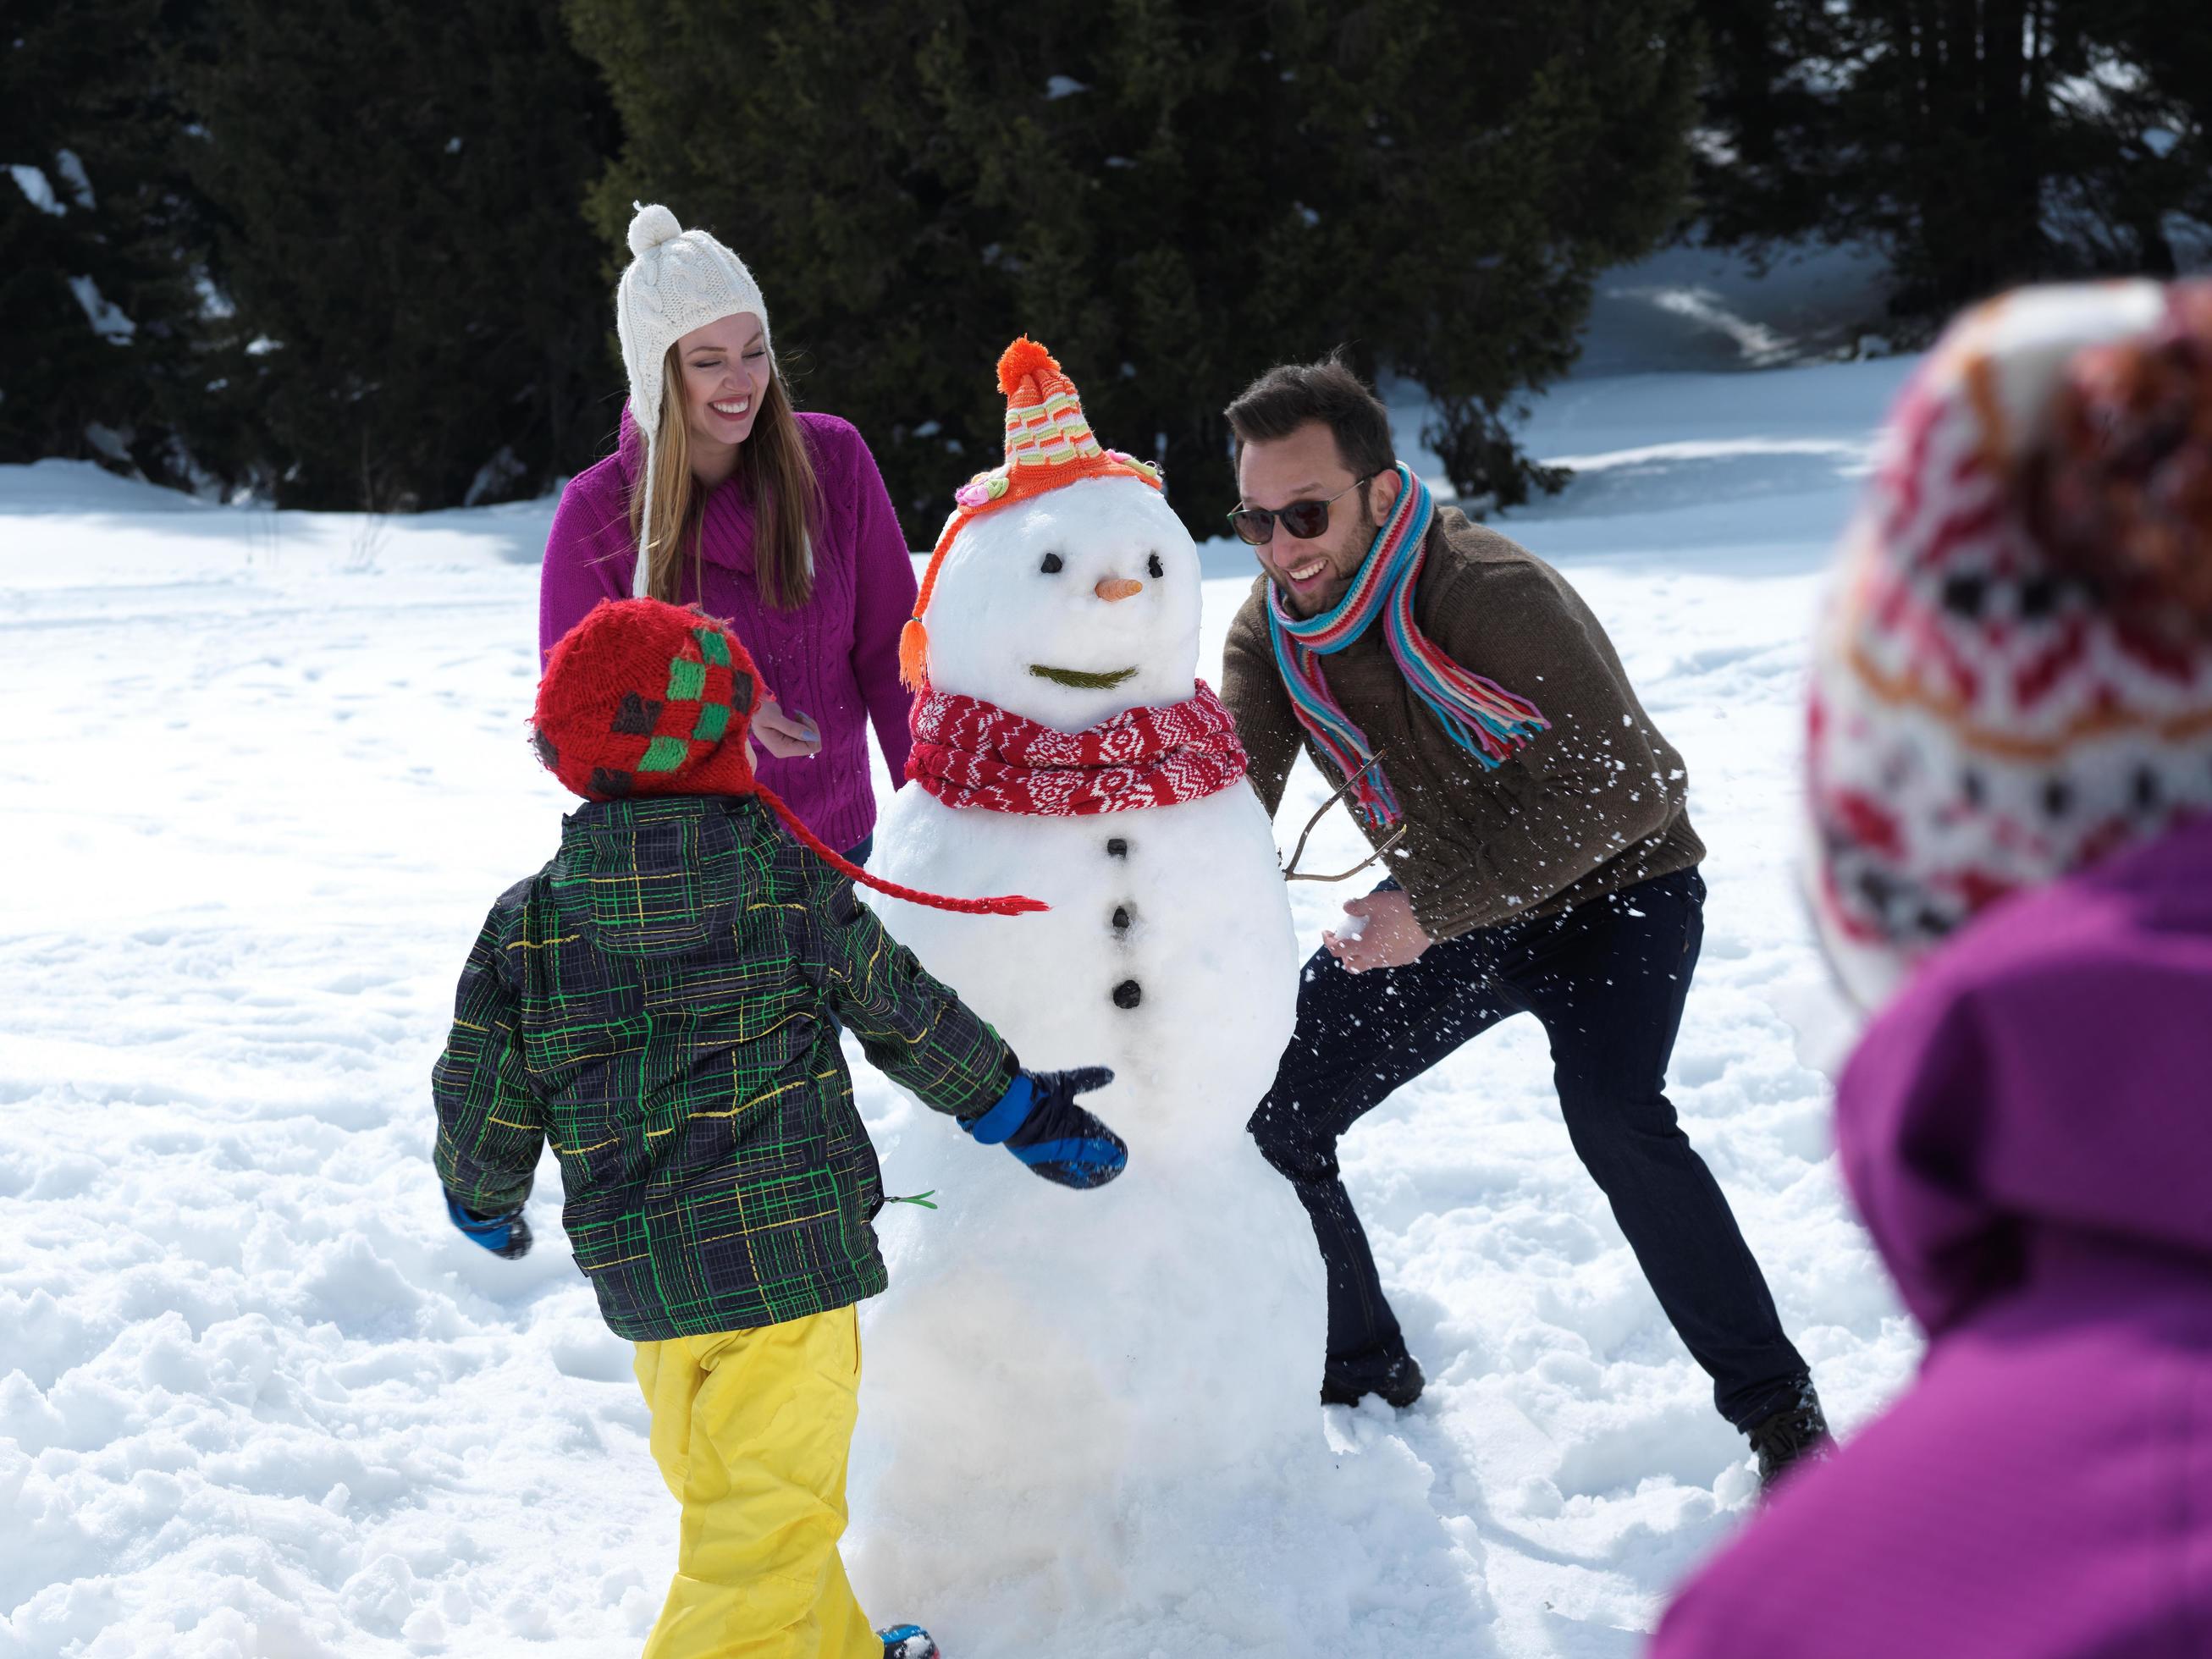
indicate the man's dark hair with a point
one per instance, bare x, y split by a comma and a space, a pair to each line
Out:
1290, 395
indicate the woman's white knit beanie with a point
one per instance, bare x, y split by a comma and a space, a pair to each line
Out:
678, 280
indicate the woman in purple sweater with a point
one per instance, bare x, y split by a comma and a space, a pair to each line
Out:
775, 521
2011, 778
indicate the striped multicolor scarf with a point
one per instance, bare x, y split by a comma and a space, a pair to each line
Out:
1479, 715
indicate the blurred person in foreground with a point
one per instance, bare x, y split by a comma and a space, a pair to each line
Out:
2011, 790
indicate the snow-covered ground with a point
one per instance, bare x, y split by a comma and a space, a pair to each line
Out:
260, 777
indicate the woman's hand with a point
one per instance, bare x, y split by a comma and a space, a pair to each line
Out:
787, 736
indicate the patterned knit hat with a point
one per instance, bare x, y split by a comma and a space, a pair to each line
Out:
1048, 444
679, 280
2013, 676
643, 698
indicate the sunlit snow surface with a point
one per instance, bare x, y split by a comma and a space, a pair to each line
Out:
259, 779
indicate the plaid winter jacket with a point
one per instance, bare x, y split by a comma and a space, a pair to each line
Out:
657, 1001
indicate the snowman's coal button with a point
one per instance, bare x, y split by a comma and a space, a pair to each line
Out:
1121, 918
1128, 993
1117, 848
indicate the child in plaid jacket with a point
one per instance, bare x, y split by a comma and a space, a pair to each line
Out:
661, 1004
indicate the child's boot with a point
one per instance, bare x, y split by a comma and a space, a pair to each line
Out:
908, 1642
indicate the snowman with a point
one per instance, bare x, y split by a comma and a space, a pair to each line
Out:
1077, 1402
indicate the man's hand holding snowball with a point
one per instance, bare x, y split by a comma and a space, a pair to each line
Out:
1382, 932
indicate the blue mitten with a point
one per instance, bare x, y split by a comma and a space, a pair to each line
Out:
506, 1234
1041, 1124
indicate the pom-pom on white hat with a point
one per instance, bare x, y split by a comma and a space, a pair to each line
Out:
678, 280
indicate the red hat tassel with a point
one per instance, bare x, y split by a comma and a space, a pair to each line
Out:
1012, 904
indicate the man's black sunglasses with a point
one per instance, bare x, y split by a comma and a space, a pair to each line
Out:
1304, 520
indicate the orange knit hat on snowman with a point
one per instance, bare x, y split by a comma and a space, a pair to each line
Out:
1048, 444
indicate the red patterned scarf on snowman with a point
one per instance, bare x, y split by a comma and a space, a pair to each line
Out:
967, 752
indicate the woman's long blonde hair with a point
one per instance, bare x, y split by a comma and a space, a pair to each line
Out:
774, 474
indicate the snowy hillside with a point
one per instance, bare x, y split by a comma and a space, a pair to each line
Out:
265, 773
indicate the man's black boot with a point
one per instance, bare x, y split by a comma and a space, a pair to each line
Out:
1395, 1377
1798, 1433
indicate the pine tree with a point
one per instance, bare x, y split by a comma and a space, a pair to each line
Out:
419, 315
1560, 151
1978, 145
2156, 78
98, 282
1172, 197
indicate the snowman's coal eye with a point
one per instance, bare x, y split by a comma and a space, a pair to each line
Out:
1154, 566
1051, 564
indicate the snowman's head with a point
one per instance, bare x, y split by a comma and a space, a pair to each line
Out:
1069, 606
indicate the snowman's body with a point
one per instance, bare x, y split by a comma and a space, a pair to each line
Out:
1075, 1398
1167, 953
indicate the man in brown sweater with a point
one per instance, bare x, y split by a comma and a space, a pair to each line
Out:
1539, 860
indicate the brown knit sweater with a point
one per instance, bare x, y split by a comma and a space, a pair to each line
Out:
1596, 804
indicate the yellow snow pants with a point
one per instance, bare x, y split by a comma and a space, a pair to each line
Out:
751, 1430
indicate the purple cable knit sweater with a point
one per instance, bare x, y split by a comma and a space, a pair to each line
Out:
835, 658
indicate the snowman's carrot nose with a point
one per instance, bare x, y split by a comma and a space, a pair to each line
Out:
1114, 589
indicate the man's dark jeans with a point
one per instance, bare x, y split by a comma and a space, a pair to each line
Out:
1607, 979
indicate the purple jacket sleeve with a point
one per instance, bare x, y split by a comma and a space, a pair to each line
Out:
883, 574
589, 556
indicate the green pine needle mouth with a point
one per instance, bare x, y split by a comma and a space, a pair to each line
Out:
1080, 680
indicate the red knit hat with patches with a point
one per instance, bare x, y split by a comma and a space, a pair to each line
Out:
644, 698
